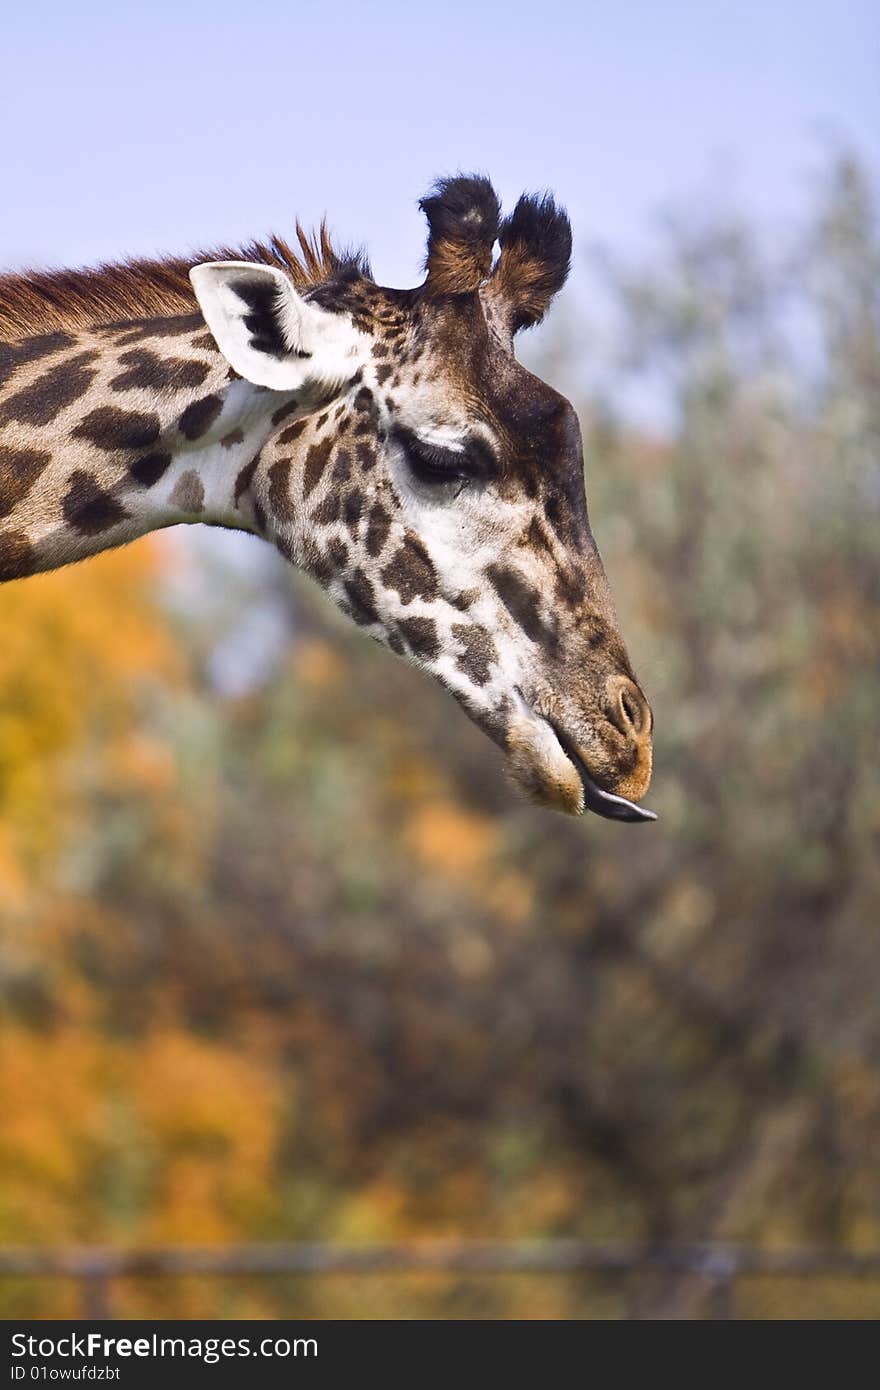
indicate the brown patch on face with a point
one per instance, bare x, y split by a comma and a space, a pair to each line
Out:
110, 429
465, 599
523, 603
198, 418
88, 507
480, 652
363, 401
352, 509
383, 373
244, 479
337, 551
342, 467
188, 494
279, 490
536, 537
378, 526
316, 461
327, 510
529, 482
366, 414
149, 372
17, 556
362, 598
46, 397
149, 469
204, 342
19, 470
552, 507
365, 455
570, 587
232, 438
421, 637
411, 572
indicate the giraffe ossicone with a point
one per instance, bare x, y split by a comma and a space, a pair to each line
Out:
386, 441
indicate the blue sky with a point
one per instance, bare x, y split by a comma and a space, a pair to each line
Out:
170, 126
132, 129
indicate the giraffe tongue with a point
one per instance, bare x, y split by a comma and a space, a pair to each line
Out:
604, 804
610, 806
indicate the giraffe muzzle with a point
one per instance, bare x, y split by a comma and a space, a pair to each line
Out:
602, 803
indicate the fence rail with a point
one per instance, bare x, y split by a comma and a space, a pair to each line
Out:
720, 1265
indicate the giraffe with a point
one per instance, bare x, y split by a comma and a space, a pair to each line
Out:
386, 441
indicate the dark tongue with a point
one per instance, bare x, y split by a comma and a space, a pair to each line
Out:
610, 806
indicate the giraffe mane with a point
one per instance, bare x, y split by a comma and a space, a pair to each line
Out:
45, 301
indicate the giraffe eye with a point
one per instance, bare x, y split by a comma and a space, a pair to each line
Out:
434, 465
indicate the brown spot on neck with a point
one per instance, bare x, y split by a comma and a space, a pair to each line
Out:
146, 370
110, 429
188, 493
19, 470
279, 490
88, 508
18, 354
245, 478
51, 392
198, 417
316, 462
17, 556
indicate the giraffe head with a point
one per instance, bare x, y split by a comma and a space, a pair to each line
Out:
435, 487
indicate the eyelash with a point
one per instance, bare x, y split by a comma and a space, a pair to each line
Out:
436, 466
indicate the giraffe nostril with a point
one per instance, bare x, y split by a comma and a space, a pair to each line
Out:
630, 709
627, 707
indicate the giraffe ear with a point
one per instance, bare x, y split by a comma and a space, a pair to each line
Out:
268, 333
534, 261
462, 215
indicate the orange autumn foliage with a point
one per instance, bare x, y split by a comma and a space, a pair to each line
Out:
80, 651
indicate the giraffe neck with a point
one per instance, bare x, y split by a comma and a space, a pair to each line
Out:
108, 433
